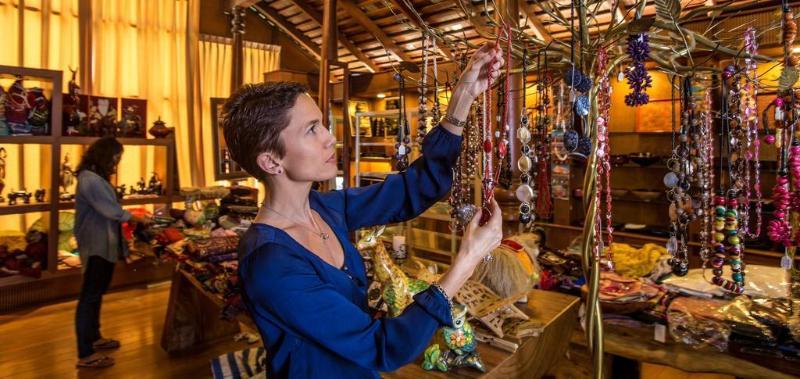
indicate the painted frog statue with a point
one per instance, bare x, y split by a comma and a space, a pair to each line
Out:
461, 346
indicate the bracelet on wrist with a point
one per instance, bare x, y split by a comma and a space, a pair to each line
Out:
442, 291
454, 121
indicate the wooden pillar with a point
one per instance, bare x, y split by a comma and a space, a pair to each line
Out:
237, 14
508, 11
329, 54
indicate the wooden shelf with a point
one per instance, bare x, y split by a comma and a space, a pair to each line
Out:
137, 201
27, 140
6, 209
434, 216
122, 140
375, 159
431, 250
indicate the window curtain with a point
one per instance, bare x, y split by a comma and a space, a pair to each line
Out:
216, 57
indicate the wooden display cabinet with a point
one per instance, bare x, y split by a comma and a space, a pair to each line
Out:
16, 291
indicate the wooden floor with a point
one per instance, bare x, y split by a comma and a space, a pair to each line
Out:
40, 342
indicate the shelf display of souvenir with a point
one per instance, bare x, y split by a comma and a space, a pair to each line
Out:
101, 118
66, 180
133, 121
26, 111
153, 188
72, 112
160, 129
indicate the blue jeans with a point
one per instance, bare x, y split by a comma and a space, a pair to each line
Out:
96, 280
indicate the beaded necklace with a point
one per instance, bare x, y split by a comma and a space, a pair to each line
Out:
603, 154
403, 139
524, 192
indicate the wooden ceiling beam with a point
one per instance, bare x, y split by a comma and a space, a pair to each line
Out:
273, 16
316, 16
618, 7
358, 15
242, 3
419, 24
536, 24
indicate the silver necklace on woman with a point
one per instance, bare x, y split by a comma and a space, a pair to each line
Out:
325, 236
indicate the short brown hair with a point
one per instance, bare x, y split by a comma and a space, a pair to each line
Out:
253, 118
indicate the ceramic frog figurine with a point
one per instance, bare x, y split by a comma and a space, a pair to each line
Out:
398, 289
460, 341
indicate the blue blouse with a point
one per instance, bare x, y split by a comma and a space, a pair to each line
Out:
312, 316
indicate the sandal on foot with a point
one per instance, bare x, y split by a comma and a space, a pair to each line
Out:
105, 344
100, 361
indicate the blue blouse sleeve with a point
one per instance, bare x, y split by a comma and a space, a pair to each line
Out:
286, 286
404, 195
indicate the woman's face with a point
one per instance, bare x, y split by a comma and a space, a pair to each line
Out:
115, 162
310, 148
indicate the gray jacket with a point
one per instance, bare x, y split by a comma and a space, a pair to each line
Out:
98, 215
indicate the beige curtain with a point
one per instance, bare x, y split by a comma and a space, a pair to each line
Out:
139, 51
215, 81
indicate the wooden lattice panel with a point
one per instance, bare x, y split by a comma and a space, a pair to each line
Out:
491, 310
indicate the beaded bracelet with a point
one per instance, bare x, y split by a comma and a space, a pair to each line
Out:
442, 291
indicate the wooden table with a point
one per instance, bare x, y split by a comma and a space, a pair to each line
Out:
193, 316
193, 319
638, 344
535, 355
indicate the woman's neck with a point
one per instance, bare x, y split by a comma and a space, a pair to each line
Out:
287, 198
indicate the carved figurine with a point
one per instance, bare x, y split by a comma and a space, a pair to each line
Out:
3, 126
17, 109
39, 116
154, 185
21, 194
131, 123
461, 346
160, 129
140, 188
39, 195
120, 190
71, 114
398, 289
67, 177
3, 156
102, 118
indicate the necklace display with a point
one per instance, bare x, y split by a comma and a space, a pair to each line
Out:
488, 133
525, 193
750, 120
728, 245
603, 154
422, 114
403, 140
685, 167
461, 194
544, 200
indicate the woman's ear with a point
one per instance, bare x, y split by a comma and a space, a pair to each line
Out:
269, 163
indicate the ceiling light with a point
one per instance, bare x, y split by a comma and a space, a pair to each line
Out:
796, 50
455, 27
380, 95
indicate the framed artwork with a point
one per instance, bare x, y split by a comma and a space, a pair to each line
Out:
224, 166
101, 116
133, 121
655, 116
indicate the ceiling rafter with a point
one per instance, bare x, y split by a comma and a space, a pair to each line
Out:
273, 16
317, 17
536, 24
419, 24
360, 17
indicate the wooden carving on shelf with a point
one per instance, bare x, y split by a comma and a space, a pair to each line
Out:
491, 310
